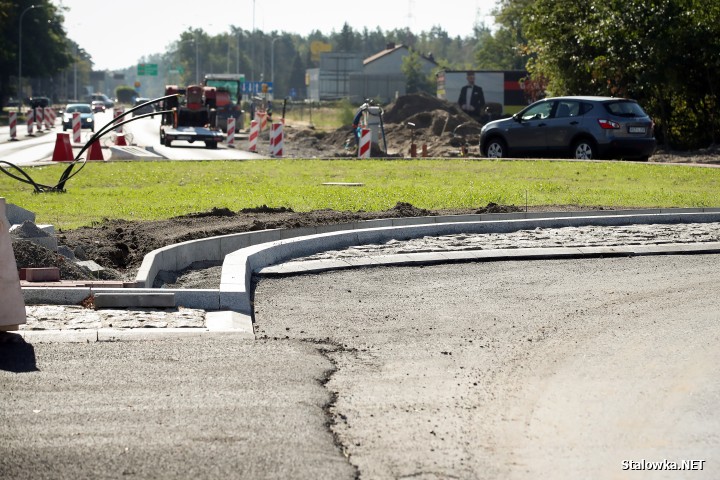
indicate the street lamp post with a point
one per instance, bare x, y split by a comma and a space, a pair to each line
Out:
20, 55
197, 62
272, 60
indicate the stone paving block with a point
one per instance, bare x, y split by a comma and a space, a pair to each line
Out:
134, 299
91, 266
40, 274
229, 321
18, 215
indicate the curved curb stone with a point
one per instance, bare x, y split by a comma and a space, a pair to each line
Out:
239, 266
245, 254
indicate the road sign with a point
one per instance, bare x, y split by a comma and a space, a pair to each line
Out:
257, 87
147, 69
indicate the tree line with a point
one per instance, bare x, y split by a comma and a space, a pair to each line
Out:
663, 53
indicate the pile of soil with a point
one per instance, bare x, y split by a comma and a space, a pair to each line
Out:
417, 118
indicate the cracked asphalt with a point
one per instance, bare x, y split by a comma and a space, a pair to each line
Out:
542, 369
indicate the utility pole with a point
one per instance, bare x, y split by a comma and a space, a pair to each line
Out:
20, 56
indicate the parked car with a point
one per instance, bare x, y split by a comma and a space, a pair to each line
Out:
97, 106
87, 118
579, 127
145, 109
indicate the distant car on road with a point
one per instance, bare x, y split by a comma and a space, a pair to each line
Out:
39, 102
101, 97
145, 109
97, 106
583, 127
87, 118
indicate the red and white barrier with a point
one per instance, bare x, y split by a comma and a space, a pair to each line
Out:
50, 117
365, 143
276, 140
39, 118
117, 112
253, 137
261, 117
76, 127
230, 139
30, 122
12, 118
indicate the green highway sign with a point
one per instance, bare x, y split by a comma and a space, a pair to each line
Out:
147, 69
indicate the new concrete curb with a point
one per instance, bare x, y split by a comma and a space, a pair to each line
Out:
244, 254
239, 266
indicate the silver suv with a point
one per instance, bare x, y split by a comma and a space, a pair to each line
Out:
579, 127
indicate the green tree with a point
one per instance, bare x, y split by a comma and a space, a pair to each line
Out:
417, 81
662, 53
44, 46
506, 49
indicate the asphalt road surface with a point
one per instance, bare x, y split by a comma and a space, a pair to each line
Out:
558, 369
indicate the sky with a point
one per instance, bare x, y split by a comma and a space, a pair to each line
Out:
118, 34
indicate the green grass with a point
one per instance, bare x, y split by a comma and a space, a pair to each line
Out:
157, 190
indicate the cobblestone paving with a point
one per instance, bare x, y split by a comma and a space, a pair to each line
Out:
72, 317
589, 236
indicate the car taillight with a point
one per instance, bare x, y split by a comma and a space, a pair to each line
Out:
608, 124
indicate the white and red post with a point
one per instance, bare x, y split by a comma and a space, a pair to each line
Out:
262, 119
230, 139
117, 112
276, 140
39, 118
76, 127
253, 137
12, 118
365, 143
30, 122
49, 118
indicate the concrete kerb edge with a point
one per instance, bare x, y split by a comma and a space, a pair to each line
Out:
238, 296
266, 247
175, 257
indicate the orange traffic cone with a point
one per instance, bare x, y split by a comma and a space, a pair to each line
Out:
95, 152
120, 140
63, 150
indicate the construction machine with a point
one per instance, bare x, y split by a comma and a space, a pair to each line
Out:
190, 117
224, 92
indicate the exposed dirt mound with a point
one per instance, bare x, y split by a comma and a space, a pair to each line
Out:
120, 245
30, 255
438, 124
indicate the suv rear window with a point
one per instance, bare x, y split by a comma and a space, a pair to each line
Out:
624, 108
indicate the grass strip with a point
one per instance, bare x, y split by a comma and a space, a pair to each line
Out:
159, 190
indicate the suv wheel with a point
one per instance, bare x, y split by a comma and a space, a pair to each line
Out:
496, 148
584, 150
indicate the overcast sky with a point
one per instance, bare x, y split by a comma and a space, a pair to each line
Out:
118, 34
